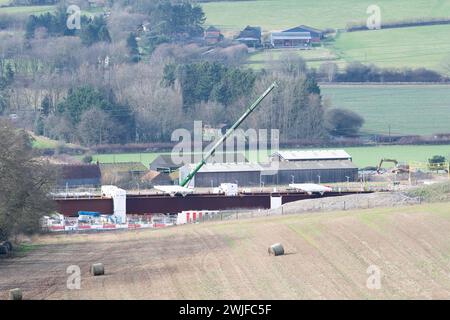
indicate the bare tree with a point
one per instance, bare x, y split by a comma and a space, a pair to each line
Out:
24, 183
157, 109
328, 71
96, 127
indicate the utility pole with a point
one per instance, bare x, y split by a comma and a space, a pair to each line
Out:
390, 140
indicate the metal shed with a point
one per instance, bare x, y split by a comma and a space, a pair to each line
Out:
212, 175
280, 173
327, 171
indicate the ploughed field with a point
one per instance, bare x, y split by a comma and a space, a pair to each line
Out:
327, 256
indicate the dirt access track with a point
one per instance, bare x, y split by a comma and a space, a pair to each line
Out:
328, 256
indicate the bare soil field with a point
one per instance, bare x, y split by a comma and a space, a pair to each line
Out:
327, 257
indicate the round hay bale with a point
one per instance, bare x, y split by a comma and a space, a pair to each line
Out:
15, 294
3, 249
276, 249
97, 269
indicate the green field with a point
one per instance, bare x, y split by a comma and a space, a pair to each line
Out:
276, 14
314, 57
362, 156
408, 47
407, 109
27, 9
4, 2
417, 47
41, 142
41, 9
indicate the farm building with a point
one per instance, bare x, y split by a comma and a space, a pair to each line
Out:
212, 35
311, 155
214, 174
316, 34
301, 37
301, 40
165, 162
328, 171
250, 36
310, 166
78, 175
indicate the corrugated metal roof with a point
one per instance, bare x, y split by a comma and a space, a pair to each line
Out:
165, 160
280, 166
313, 155
304, 28
315, 165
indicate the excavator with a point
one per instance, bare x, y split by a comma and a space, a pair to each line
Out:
399, 168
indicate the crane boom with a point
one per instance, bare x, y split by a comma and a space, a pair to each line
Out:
227, 134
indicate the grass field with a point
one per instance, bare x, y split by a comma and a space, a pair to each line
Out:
275, 14
41, 142
362, 156
389, 48
327, 257
417, 47
408, 109
371, 156
27, 9
409, 47
314, 58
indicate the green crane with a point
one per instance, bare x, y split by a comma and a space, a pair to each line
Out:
226, 135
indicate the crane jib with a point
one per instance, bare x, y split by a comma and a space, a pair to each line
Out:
227, 134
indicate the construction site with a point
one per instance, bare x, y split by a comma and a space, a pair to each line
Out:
214, 227
208, 186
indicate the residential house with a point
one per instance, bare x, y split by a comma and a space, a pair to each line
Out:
212, 35
250, 36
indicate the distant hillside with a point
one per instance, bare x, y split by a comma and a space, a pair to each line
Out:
281, 14
413, 47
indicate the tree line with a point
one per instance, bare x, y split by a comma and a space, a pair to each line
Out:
25, 183
104, 91
94, 29
359, 72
